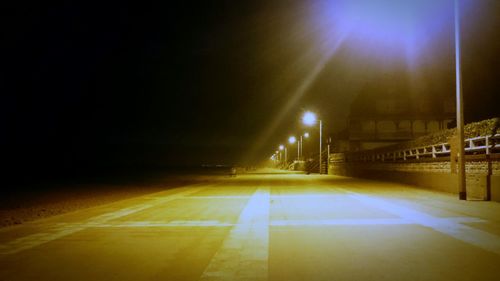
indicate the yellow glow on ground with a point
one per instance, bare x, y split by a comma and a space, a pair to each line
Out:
280, 226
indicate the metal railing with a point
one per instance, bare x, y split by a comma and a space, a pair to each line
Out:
479, 145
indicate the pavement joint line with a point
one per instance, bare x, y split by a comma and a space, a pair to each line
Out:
324, 222
453, 228
341, 222
244, 253
200, 197
58, 231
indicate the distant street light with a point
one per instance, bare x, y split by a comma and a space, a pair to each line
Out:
282, 147
310, 119
301, 144
273, 159
292, 140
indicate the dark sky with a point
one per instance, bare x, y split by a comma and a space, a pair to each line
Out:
116, 83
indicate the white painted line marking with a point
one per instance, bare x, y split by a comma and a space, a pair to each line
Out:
244, 253
220, 197
166, 224
215, 223
59, 231
339, 222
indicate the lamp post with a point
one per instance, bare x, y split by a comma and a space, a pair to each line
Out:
283, 148
462, 190
292, 140
274, 158
301, 144
309, 119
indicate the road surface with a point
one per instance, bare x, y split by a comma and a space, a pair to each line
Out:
264, 227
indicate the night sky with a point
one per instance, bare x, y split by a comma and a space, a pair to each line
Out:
117, 84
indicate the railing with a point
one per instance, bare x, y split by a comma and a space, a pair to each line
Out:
313, 166
479, 145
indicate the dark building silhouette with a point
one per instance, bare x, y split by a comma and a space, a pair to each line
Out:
381, 116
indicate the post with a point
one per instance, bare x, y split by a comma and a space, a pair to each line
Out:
487, 143
320, 144
300, 148
462, 189
286, 160
328, 157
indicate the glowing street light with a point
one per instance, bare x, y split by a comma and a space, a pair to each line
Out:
282, 147
392, 23
310, 119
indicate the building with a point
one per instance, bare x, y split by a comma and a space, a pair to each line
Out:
380, 117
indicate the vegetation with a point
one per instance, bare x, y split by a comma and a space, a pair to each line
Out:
476, 129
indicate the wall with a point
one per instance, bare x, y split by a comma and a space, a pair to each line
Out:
483, 174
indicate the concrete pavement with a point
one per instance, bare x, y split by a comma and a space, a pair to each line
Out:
264, 227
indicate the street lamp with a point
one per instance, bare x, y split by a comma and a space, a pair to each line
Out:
388, 22
301, 144
282, 147
273, 158
462, 190
310, 119
292, 140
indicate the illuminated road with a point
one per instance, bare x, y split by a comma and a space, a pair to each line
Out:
264, 227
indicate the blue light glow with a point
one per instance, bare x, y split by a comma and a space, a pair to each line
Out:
309, 118
389, 27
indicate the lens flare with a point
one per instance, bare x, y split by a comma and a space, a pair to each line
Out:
388, 28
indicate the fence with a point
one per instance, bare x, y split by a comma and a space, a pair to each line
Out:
485, 145
429, 166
